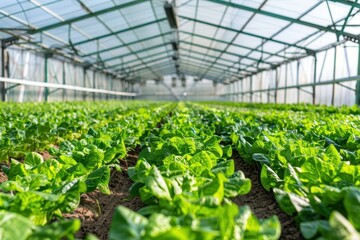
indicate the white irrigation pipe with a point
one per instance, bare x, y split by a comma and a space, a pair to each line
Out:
67, 87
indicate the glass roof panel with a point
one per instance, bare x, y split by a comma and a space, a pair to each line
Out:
66, 9
265, 26
300, 30
138, 14
289, 8
213, 13
321, 15
209, 31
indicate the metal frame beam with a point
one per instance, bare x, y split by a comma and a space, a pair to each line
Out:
136, 60
232, 44
135, 52
246, 33
86, 16
328, 82
285, 18
221, 51
118, 32
347, 2
125, 45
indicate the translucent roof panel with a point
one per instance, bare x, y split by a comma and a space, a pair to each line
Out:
213, 37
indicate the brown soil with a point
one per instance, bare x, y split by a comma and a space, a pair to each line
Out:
46, 155
3, 177
263, 203
96, 209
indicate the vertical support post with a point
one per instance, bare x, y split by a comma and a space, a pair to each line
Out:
314, 86
47, 55
84, 83
94, 81
268, 93
238, 91
63, 80
276, 84
242, 89
334, 77
298, 80
106, 81
2, 84
112, 85
358, 81
251, 88
286, 81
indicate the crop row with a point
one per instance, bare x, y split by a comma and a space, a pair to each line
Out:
309, 159
308, 156
38, 192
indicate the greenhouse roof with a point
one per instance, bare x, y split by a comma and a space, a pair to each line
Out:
213, 39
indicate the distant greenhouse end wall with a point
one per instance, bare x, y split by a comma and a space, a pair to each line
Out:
204, 90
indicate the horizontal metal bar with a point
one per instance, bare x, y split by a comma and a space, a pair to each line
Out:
86, 16
232, 44
246, 33
11, 87
136, 52
347, 2
342, 85
285, 18
229, 53
305, 91
118, 32
61, 86
339, 80
127, 44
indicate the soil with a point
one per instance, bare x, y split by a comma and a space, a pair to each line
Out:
46, 155
262, 202
96, 209
3, 177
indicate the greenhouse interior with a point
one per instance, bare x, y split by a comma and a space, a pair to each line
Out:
179, 119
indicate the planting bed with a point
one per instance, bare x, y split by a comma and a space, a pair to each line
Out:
179, 171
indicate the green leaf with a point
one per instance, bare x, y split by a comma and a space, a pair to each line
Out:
268, 177
237, 184
157, 185
261, 158
64, 229
33, 159
352, 206
14, 226
99, 179
127, 224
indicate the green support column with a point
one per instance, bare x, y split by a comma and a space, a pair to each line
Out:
84, 83
276, 84
314, 86
298, 80
334, 77
251, 91
94, 80
106, 80
286, 81
2, 84
358, 81
63, 80
46, 75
